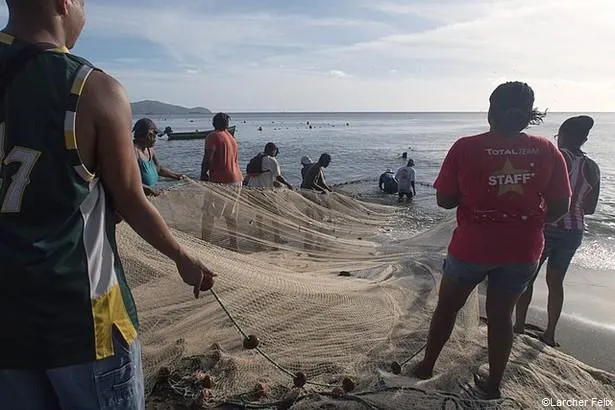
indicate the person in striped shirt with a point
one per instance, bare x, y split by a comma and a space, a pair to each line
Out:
563, 238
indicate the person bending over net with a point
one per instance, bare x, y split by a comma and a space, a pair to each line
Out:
144, 134
388, 182
221, 166
264, 172
315, 176
69, 335
497, 181
406, 177
563, 238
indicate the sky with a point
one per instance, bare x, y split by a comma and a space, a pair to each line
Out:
354, 55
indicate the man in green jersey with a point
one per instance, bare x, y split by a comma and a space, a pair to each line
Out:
68, 338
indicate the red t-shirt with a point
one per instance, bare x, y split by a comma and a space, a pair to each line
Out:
502, 184
224, 168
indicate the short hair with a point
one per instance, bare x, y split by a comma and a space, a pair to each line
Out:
220, 121
270, 148
410, 163
512, 108
324, 158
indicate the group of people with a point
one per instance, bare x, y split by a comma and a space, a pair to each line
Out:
403, 182
68, 165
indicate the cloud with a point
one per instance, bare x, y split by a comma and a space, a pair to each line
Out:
391, 54
338, 73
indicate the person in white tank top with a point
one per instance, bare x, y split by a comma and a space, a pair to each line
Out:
563, 238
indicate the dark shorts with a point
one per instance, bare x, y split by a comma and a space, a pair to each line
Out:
407, 194
560, 247
507, 278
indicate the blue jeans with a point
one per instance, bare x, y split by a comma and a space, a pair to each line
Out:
115, 383
508, 278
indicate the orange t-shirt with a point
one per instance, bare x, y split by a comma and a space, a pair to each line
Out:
224, 168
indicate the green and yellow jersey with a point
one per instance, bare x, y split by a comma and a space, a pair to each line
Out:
62, 286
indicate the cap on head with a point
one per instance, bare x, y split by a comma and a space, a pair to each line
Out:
576, 129
143, 127
221, 121
305, 160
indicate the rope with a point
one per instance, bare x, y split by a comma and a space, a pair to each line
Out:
258, 349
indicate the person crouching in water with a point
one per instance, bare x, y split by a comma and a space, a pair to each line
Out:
562, 239
406, 177
388, 183
315, 177
505, 185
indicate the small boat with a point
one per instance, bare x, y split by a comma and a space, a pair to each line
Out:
195, 135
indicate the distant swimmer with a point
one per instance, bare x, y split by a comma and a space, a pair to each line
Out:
315, 177
500, 199
406, 181
145, 133
563, 238
221, 166
70, 329
387, 182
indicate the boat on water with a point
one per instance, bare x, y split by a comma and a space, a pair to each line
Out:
194, 135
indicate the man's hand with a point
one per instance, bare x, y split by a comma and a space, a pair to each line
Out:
195, 274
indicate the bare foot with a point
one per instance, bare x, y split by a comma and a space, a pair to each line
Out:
549, 340
422, 372
488, 391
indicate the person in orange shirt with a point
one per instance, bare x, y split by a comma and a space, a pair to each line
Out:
221, 166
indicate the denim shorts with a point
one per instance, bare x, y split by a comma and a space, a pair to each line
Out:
507, 278
115, 383
560, 247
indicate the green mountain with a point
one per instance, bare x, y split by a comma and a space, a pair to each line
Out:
148, 107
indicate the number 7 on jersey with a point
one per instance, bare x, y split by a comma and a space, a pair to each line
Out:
27, 158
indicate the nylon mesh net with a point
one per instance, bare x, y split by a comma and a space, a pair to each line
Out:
312, 279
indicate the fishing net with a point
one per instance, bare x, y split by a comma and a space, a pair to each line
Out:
309, 276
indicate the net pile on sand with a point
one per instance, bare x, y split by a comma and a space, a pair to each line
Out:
288, 291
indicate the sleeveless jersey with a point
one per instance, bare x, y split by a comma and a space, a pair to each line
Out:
62, 287
574, 220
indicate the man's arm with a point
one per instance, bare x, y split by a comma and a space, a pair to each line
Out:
412, 184
381, 182
321, 181
107, 119
591, 202
283, 181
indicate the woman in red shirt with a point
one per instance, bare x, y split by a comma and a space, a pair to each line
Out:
505, 185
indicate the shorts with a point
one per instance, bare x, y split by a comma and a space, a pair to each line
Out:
512, 278
560, 247
222, 200
407, 194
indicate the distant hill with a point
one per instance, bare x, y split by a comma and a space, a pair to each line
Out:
158, 108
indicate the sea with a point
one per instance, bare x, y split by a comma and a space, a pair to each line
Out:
363, 145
